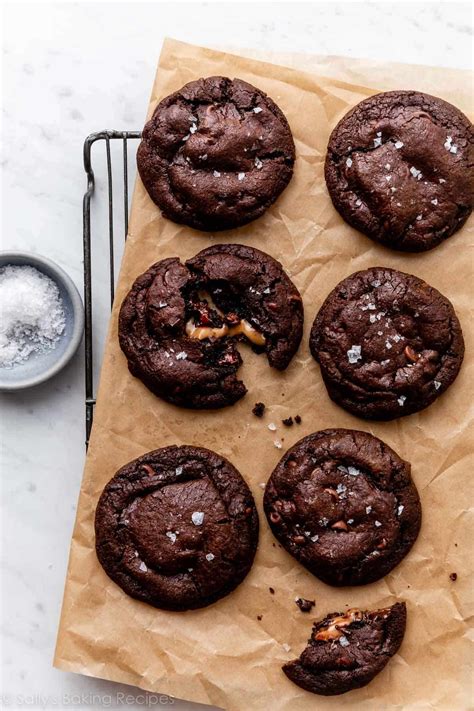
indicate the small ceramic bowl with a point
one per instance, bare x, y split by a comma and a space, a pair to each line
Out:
42, 366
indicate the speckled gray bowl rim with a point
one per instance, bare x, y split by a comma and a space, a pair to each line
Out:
58, 274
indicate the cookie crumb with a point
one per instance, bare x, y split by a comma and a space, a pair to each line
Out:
304, 604
298, 420
453, 577
272, 591
259, 409
259, 617
288, 421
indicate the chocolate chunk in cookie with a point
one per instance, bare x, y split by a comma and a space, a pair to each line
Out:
216, 154
177, 528
179, 324
344, 505
388, 344
348, 649
400, 168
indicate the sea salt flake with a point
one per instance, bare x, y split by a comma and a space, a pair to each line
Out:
387, 166
453, 149
143, 567
258, 163
388, 177
314, 538
266, 291
377, 523
372, 318
241, 176
277, 444
350, 521
262, 485
181, 355
441, 181
162, 304
257, 110
385, 362
371, 307
388, 344
349, 162
204, 156
434, 202
378, 140
197, 517
323, 521
185, 138
416, 173
272, 427
400, 509
192, 118
396, 338
193, 128
358, 202
398, 145
216, 174
419, 217
354, 354
401, 400
368, 509
393, 190
437, 384
353, 471
171, 536
341, 488
448, 143
210, 556
178, 471
286, 647
342, 469
343, 641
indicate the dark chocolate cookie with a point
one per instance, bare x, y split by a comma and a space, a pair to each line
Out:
179, 324
388, 344
348, 649
344, 505
400, 168
177, 528
216, 154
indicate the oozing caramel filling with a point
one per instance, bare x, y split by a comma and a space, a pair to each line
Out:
243, 327
332, 631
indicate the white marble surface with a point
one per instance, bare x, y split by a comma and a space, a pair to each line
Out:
68, 70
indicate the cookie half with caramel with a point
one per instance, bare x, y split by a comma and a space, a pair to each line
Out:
347, 650
180, 324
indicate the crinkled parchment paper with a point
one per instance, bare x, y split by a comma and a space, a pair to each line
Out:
223, 654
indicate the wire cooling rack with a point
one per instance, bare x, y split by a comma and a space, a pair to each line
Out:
103, 250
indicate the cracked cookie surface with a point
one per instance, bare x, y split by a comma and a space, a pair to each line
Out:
388, 344
348, 649
180, 323
216, 154
343, 503
177, 528
400, 168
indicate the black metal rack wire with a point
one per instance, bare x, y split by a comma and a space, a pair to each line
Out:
106, 137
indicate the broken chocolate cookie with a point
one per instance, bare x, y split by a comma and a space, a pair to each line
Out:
216, 154
399, 167
343, 503
388, 344
177, 528
347, 650
179, 324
